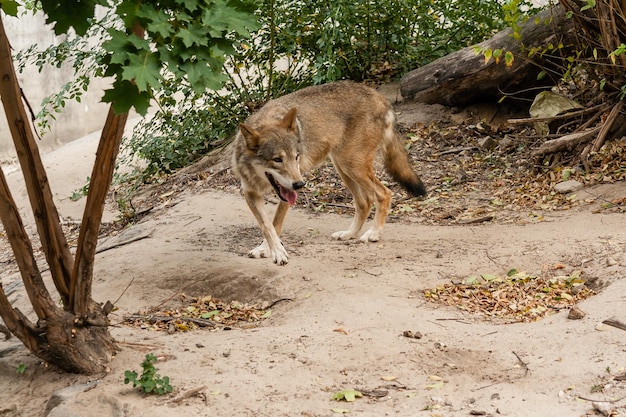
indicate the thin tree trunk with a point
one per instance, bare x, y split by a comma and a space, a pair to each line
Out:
46, 216
101, 177
40, 299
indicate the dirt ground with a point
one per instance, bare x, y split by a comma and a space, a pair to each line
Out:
340, 313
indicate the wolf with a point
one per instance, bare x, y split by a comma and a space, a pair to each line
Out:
346, 121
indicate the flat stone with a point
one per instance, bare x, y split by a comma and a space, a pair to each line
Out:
487, 143
62, 411
65, 395
576, 313
569, 186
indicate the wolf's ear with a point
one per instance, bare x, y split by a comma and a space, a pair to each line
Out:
251, 137
290, 121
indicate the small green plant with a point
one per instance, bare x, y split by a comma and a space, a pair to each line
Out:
81, 192
21, 368
150, 382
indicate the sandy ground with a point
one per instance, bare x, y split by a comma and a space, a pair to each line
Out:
340, 322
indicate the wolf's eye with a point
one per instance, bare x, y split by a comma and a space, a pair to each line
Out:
278, 160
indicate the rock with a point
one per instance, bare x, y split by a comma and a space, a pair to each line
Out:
575, 313
62, 411
603, 408
75, 405
506, 143
487, 143
566, 187
412, 335
63, 396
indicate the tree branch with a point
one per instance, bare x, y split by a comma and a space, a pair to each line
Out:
22, 249
101, 177
46, 216
18, 324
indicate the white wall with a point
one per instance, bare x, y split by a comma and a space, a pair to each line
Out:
76, 119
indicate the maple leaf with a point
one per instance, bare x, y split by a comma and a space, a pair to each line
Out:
144, 69
124, 95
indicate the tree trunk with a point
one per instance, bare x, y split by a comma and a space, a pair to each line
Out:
101, 176
463, 77
75, 339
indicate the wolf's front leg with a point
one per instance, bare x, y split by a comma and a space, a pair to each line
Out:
263, 251
271, 246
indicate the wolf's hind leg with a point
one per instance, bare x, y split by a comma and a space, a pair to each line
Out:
358, 186
382, 206
366, 189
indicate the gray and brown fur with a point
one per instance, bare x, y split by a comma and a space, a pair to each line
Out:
345, 121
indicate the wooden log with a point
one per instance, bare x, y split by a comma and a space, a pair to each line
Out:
567, 142
462, 77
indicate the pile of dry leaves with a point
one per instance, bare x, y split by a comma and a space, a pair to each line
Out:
206, 312
516, 297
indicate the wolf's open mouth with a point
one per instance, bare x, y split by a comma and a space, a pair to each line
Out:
283, 193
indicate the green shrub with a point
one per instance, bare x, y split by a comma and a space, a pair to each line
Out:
301, 43
149, 382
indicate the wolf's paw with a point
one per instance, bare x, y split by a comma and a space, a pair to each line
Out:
343, 235
372, 235
280, 256
261, 251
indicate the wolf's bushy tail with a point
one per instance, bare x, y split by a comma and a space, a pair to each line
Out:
397, 161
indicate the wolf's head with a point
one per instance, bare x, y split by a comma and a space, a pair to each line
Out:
275, 149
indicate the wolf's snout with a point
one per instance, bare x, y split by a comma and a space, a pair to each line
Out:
297, 185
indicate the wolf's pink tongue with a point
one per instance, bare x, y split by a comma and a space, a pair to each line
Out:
289, 195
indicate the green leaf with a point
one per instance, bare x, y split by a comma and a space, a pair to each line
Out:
69, 14
117, 46
21, 368
194, 35
124, 95
347, 395
190, 5
201, 76
222, 18
144, 69
590, 4
209, 314
158, 22
130, 376
436, 385
488, 53
9, 7
149, 386
509, 58
489, 277
471, 280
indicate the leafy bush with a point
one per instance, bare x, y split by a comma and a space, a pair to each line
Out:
297, 43
301, 43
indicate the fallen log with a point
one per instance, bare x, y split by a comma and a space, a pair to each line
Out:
566, 143
462, 77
